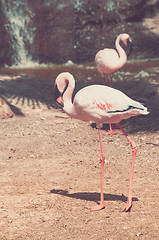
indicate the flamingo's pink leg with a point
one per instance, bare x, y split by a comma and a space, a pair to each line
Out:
111, 80
134, 150
104, 78
111, 131
102, 158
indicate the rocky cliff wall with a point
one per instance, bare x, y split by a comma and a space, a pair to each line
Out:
76, 29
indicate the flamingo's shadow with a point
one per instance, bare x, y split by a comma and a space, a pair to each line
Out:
93, 196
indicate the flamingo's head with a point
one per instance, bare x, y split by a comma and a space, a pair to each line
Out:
61, 84
126, 39
58, 96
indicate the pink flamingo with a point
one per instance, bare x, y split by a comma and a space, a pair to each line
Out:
100, 104
110, 60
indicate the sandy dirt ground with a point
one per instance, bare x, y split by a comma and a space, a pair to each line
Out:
50, 169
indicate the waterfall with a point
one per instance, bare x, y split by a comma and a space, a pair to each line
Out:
19, 16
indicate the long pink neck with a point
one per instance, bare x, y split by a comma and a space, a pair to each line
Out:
67, 97
120, 50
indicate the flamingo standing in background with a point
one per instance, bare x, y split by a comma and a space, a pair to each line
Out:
100, 104
110, 60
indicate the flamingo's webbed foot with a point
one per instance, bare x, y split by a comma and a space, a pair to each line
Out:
111, 132
128, 206
98, 207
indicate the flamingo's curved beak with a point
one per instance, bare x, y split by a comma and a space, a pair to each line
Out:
59, 100
130, 47
58, 96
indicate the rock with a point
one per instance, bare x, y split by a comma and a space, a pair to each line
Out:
5, 111
5, 44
